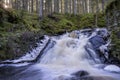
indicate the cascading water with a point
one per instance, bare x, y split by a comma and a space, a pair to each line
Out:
70, 53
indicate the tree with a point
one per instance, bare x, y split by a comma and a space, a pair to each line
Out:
41, 9
37, 6
56, 6
96, 14
32, 6
66, 6
75, 7
85, 6
103, 5
62, 6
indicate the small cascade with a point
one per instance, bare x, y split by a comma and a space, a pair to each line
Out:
75, 46
30, 56
78, 55
76, 51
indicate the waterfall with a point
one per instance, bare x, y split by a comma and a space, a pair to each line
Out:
83, 51
72, 52
71, 49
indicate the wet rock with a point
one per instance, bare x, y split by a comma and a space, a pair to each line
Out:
97, 41
73, 35
63, 77
96, 78
100, 43
100, 38
118, 35
100, 66
71, 43
92, 78
114, 60
80, 73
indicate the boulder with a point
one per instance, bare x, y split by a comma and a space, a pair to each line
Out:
80, 73
73, 35
97, 41
96, 78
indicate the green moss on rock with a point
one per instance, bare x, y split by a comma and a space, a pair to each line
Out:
116, 44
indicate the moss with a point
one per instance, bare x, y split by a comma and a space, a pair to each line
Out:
112, 9
58, 23
116, 47
12, 25
55, 25
87, 20
101, 20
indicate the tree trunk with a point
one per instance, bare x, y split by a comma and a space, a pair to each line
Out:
41, 9
90, 6
56, 6
62, 6
103, 5
32, 6
37, 7
70, 6
74, 7
66, 6
85, 4
96, 14
49, 3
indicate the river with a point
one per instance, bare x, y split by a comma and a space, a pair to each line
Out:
71, 56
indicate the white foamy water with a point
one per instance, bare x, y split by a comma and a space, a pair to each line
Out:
68, 56
65, 55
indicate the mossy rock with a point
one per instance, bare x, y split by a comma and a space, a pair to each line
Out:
115, 50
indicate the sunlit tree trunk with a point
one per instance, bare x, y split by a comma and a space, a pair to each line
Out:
70, 4
88, 6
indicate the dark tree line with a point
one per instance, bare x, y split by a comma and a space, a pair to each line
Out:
113, 14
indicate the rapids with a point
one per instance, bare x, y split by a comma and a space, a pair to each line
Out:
61, 57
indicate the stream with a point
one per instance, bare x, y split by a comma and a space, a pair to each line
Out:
76, 55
